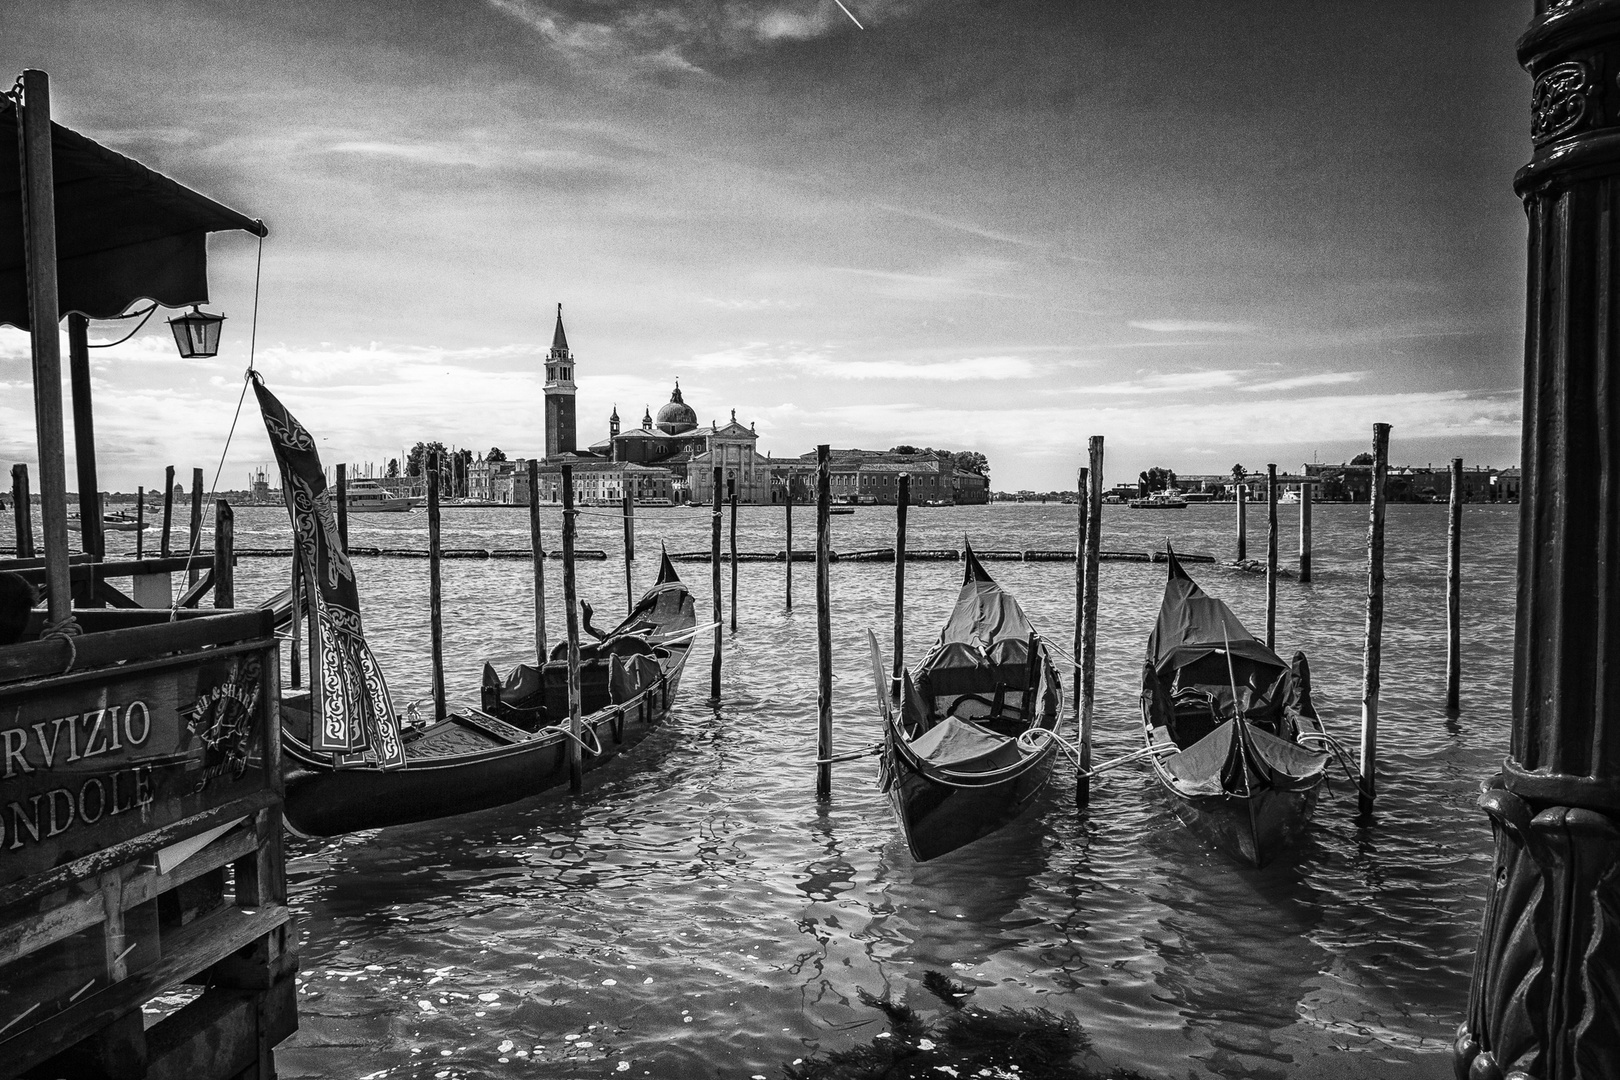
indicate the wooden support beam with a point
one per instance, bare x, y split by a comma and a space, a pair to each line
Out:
538, 559
194, 537
22, 511
714, 586
1087, 689
435, 598
92, 535
168, 509
823, 623
224, 555
576, 756
901, 501
1454, 590
1372, 649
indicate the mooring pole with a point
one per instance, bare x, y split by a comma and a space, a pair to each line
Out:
790, 544
629, 550
1542, 1002
92, 534
1243, 520
1088, 637
22, 511
168, 508
714, 588
343, 506
731, 492
435, 598
537, 556
1305, 532
39, 250
901, 500
1454, 590
140, 522
1082, 783
823, 623
576, 756
195, 543
224, 555
1375, 620
1271, 557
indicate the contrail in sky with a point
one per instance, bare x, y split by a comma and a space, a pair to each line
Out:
848, 12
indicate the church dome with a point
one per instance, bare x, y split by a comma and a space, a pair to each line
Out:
676, 418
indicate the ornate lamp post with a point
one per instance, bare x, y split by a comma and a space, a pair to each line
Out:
1545, 1000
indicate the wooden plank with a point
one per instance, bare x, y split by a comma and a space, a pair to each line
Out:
224, 555
186, 953
39, 659
22, 509
92, 536
200, 588
168, 510
111, 597
194, 536
38, 929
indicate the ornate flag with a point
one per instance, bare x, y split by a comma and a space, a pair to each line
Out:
353, 718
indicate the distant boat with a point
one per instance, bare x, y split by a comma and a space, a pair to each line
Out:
841, 510
368, 497
654, 502
1288, 498
121, 521
961, 755
1160, 500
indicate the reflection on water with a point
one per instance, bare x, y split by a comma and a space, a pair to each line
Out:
697, 913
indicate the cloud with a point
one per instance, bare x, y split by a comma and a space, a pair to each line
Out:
1191, 326
1326, 378
794, 362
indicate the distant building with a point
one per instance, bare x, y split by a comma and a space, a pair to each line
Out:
873, 476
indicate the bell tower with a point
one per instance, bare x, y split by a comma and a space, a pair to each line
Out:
560, 388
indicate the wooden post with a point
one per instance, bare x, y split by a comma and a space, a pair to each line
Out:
1305, 496
1271, 556
576, 757
901, 501
224, 555
1375, 620
823, 623
1088, 637
195, 545
1454, 590
435, 597
790, 544
140, 522
714, 586
731, 491
168, 509
629, 549
22, 510
538, 557
1243, 521
1082, 790
343, 506
39, 245
92, 534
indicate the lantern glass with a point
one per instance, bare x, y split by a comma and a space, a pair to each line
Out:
196, 333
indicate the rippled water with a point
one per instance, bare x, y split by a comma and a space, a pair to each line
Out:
696, 913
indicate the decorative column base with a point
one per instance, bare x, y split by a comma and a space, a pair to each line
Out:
1545, 1000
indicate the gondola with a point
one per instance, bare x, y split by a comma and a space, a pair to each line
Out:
350, 763
1230, 728
960, 755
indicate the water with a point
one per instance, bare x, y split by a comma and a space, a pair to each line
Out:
696, 913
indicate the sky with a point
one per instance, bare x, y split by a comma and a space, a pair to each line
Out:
1211, 231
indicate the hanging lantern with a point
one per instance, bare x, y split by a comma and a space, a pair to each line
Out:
196, 333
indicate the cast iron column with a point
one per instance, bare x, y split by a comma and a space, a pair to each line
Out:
1545, 1000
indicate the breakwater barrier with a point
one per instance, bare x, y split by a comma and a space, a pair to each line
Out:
877, 555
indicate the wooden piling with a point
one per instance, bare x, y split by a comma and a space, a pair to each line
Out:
538, 556
92, 532
435, 597
823, 623
576, 756
194, 545
140, 522
40, 270
1454, 590
1088, 642
902, 500
1305, 496
789, 579
1271, 556
629, 550
224, 555
1375, 620
168, 509
1243, 521
343, 506
22, 511
714, 588
1082, 789
731, 490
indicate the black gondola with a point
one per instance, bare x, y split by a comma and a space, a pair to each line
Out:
1224, 720
960, 757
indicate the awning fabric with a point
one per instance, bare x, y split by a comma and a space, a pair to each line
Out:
123, 232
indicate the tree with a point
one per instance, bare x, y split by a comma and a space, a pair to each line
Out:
416, 463
1362, 459
1238, 473
495, 454
904, 448
1155, 479
971, 461
393, 468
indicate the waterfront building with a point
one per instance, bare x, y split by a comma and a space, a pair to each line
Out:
873, 476
675, 442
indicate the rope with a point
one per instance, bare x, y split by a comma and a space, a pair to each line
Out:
593, 747
247, 378
67, 629
865, 751
1339, 753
